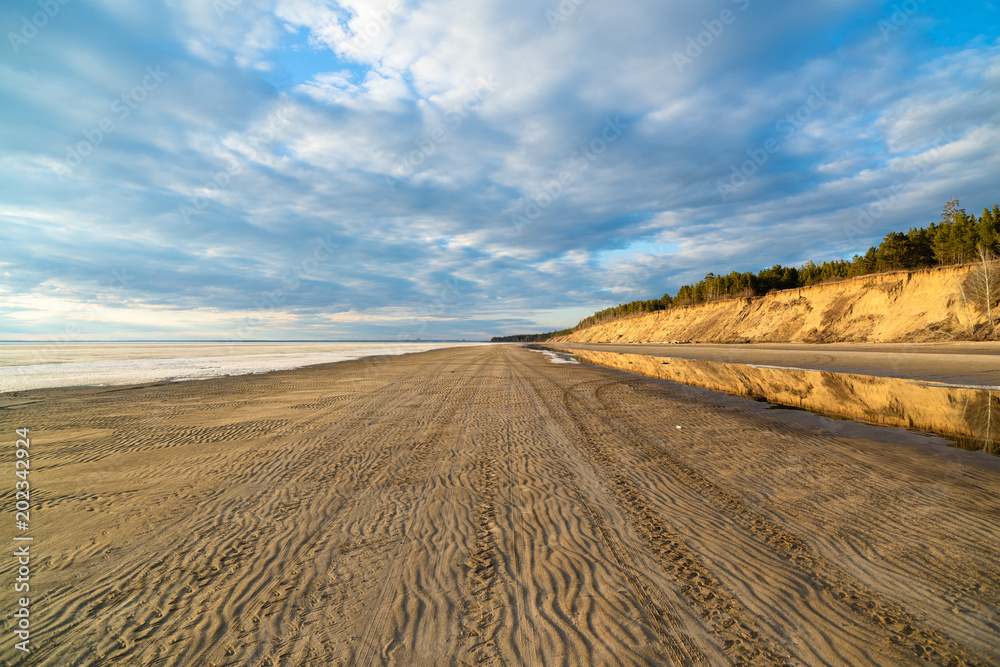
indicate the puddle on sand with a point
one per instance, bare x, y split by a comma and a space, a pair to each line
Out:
556, 357
969, 417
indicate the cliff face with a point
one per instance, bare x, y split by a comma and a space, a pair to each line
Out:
904, 306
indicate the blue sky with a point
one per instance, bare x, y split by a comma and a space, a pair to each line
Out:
237, 169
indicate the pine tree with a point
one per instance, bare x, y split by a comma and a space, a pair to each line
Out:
894, 252
966, 236
948, 215
921, 247
989, 231
944, 245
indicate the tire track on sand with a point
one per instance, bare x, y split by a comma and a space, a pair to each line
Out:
433, 445
740, 637
890, 619
481, 606
665, 625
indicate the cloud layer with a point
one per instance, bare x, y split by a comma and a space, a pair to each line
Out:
370, 169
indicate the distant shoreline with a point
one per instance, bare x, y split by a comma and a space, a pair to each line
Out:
42, 367
249, 341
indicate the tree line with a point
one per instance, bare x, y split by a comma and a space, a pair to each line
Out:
957, 239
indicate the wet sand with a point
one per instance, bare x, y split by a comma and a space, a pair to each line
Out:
959, 363
483, 505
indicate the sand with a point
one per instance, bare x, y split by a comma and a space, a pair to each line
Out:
484, 505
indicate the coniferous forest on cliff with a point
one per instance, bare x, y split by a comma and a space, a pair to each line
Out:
958, 238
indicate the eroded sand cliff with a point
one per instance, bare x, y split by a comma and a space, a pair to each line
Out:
905, 306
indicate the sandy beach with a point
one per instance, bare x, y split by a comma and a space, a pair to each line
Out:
484, 505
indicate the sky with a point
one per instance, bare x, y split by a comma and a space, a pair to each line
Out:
398, 169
